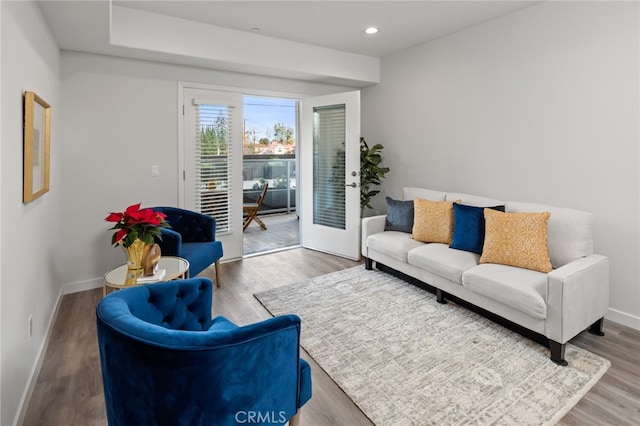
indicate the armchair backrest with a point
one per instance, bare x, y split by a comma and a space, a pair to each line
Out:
166, 361
194, 227
148, 311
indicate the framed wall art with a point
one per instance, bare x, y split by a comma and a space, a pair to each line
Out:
37, 134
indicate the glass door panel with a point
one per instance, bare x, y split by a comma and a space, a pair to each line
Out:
329, 166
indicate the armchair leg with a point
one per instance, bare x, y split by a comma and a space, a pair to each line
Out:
217, 268
295, 420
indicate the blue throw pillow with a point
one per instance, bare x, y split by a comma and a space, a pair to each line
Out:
468, 227
399, 215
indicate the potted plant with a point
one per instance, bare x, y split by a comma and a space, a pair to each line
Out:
135, 223
136, 231
371, 172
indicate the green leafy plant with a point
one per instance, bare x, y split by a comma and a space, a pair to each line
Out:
282, 182
259, 185
371, 172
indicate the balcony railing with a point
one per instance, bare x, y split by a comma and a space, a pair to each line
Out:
280, 172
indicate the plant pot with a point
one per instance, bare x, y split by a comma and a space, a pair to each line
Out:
134, 262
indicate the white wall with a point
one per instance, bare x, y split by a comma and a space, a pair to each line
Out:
541, 106
121, 117
1, 203
1, 180
30, 275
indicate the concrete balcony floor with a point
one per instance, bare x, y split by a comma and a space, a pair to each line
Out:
282, 232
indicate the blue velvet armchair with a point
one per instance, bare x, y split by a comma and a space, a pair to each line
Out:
166, 361
192, 236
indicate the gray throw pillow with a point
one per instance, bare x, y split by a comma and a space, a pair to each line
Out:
399, 215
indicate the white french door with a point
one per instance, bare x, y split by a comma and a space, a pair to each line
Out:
330, 174
212, 161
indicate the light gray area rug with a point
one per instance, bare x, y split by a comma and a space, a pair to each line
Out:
405, 359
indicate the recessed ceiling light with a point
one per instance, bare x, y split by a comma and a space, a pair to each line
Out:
371, 30
255, 30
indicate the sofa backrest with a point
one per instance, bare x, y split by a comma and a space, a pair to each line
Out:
411, 193
473, 200
569, 232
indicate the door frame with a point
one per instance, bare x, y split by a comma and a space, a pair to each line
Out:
181, 160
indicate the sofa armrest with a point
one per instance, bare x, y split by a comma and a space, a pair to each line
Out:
577, 296
371, 225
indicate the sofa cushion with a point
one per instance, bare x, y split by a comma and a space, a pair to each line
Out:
516, 239
201, 255
468, 227
522, 289
399, 215
442, 260
570, 232
393, 244
433, 221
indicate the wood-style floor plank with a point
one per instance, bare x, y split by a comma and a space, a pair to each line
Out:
69, 388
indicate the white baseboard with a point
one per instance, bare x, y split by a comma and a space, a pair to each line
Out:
623, 318
82, 285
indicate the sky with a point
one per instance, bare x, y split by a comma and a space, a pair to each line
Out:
260, 114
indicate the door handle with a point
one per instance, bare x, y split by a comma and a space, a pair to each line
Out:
352, 184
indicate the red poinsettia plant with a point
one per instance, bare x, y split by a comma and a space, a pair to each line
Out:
134, 223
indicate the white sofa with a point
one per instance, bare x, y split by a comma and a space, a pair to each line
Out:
555, 306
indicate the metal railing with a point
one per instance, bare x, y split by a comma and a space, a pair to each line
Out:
280, 172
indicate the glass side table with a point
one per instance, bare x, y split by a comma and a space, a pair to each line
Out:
175, 268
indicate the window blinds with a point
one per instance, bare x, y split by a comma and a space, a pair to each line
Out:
212, 162
329, 166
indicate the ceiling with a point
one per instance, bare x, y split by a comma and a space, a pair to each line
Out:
339, 25
335, 25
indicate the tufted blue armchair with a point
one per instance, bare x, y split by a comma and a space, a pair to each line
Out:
192, 236
165, 361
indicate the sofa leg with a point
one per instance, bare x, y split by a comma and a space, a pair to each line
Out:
557, 353
440, 296
217, 267
295, 420
596, 327
368, 264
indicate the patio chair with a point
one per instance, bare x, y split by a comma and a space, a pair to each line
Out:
251, 209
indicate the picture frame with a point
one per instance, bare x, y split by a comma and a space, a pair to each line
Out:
37, 135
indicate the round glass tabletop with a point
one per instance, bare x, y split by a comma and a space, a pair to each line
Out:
169, 268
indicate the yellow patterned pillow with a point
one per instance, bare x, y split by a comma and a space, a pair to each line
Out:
433, 221
516, 239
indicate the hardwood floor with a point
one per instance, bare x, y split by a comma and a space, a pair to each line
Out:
69, 388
